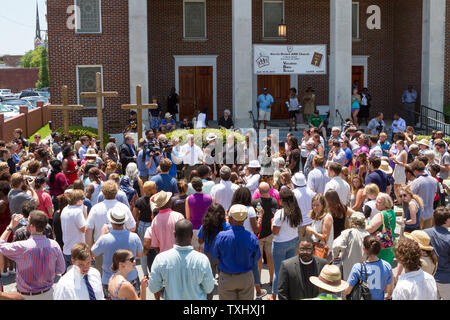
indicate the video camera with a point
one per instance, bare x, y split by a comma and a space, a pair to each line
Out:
151, 149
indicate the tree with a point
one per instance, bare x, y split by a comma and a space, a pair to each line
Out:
43, 81
32, 59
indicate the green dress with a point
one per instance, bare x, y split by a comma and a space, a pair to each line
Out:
388, 254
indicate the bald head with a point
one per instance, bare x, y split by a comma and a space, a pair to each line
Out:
264, 188
183, 232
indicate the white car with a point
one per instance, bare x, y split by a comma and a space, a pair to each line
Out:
33, 100
8, 112
6, 94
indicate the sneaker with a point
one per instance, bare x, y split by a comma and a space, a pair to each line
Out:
261, 294
5, 274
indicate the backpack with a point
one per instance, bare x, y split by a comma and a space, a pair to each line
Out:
361, 290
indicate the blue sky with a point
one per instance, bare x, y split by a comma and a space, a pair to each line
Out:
18, 25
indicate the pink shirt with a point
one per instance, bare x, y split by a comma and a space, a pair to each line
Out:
163, 228
273, 194
45, 202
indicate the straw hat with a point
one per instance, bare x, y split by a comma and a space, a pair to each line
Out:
421, 237
90, 153
329, 279
386, 167
161, 198
238, 212
211, 137
299, 179
424, 142
254, 164
358, 218
117, 215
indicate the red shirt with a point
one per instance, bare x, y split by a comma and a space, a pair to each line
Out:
45, 202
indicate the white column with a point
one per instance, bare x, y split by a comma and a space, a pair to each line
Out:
433, 53
340, 59
242, 62
137, 23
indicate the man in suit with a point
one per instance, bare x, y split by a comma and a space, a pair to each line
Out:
293, 283
127, 152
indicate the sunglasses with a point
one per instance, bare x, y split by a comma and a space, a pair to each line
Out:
131, 259
403, 195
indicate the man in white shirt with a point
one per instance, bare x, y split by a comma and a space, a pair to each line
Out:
398, 125
336, 153
98, 217
375, 148
223, 192
73, 223
191, 154
81, 282
204, 172
337, 183
252, 181
304, 196
318, 177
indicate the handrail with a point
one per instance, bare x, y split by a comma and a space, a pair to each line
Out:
431, 119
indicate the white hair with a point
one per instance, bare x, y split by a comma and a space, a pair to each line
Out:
429, 154
132, 172
227, 111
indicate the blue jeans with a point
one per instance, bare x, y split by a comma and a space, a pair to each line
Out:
280, 252
142, 227
256, 275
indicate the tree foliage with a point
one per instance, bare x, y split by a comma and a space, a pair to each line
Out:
43, 81
32, 59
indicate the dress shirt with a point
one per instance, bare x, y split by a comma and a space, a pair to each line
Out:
340, 157
162, 229
223, 193
237, 250
191, 155
38, 261
72, 285
422, 186
82, 151
304, 196
121, 196
185, 273
341, 187
409, 97
376, 151
253, 183
317, 179
401, 125
415, 285
373, 124
206, 189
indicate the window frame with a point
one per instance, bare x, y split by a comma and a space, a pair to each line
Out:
184, 22
357, 20
283, 19
100, 19
78, 85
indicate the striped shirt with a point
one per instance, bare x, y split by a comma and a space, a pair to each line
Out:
38, 261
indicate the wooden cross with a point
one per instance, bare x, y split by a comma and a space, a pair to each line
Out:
99, 94
139, 107
65, 108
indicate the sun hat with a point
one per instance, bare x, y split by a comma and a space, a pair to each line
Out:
330, 279
211, 136
168, 115
386, 167
117, 215
238, 212
254, 164
90, 153
421, 237
299, 179
424, 142
161, 198
358, 218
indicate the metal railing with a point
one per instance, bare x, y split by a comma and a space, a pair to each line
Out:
431, 119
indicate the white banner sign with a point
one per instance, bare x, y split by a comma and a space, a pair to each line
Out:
290, 59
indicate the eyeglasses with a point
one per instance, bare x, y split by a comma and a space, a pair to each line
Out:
305, 250
131, 259
403, 195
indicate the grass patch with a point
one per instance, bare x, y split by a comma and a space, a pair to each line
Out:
44, 132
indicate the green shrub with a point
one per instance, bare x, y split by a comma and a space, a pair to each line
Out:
76, 132
181, 134
447, 113
446, 139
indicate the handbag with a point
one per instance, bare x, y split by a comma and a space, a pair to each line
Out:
361, 290
385, 235
320, 250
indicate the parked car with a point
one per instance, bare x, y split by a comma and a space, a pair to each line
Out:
34, 100
45, 94
17, 103
6, 94
27, 93
7, 112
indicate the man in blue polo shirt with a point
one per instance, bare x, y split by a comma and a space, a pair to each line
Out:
238, 252
265, 101
164, 182
379, 177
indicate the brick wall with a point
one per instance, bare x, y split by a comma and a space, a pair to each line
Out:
165, 40
18, 79
447, 56
109, 49
407, 47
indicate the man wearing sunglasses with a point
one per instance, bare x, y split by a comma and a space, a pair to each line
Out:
293, 283
81, 282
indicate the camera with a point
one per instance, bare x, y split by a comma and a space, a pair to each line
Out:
166, 146
379, 128
150, 149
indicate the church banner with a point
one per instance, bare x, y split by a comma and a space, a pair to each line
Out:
290, 59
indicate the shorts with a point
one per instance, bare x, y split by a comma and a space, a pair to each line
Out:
265, 244
264, 115
293, 114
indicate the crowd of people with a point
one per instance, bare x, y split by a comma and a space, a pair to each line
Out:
321, 214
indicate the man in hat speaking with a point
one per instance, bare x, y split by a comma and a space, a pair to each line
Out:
238, 252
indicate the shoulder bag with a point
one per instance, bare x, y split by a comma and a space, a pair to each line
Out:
361, 290
385, 235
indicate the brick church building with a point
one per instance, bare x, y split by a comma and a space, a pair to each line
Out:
204, 48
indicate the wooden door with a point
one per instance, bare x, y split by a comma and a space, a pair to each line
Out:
196, 90
278, 86
204, 89
358, 74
